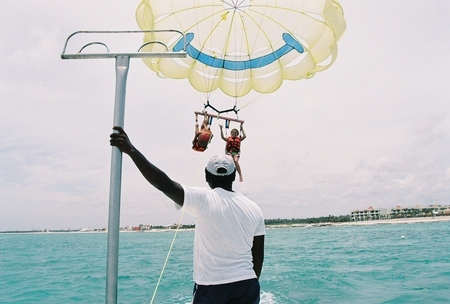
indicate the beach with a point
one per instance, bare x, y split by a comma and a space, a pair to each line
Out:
396, 221
367, 223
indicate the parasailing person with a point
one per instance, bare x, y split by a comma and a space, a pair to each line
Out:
233, 146
203, 136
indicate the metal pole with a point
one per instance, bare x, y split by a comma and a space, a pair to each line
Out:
112, 260
122, 65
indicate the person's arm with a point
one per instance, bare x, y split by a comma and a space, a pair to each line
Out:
221, 133
196, 134
152, 174
243, 136
258, 254
196, 129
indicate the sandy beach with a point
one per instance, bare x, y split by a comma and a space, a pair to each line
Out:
365, 223
396, 221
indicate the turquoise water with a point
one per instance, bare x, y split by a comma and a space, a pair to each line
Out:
400, 263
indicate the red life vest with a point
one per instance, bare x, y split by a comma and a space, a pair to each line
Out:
201, 142
233, 144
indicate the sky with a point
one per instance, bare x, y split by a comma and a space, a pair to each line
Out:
372, 130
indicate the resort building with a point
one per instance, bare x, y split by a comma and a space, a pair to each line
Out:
371, 213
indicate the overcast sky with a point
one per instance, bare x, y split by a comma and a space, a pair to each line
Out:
373, 130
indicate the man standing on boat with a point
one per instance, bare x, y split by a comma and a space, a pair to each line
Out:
229, 228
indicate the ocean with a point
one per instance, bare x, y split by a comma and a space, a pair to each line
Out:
391, 263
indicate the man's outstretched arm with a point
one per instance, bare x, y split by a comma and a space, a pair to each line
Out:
152, 174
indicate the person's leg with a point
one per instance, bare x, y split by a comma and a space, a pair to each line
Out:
242, 292
238, 167
212, 294
246, 292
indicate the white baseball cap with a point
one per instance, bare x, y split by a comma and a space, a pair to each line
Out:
221, 165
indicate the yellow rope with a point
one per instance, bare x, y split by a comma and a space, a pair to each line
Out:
167, 258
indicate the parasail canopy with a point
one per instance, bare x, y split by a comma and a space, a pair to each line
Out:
239, 46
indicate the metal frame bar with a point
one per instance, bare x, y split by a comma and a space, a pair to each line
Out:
137, 54
112, 253
122, 67
220, 117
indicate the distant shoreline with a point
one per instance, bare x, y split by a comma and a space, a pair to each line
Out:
397, 221
368, 223
325, 224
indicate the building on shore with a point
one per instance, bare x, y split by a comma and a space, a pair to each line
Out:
371, 213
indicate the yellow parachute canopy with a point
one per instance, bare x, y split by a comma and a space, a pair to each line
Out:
243, 45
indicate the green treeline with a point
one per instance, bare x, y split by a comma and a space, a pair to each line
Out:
313, 220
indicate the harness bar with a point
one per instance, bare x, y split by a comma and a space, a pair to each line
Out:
220, 117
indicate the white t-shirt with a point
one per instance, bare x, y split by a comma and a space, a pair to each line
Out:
225, 225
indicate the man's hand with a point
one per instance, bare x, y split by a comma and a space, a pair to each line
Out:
120, 140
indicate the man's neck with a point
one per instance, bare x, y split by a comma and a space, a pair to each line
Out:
227, 188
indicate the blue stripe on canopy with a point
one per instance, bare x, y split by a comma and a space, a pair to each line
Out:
291, 44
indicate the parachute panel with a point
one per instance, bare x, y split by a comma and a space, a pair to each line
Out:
294, 69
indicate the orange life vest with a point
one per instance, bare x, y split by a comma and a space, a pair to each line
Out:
233, 144
201, 142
